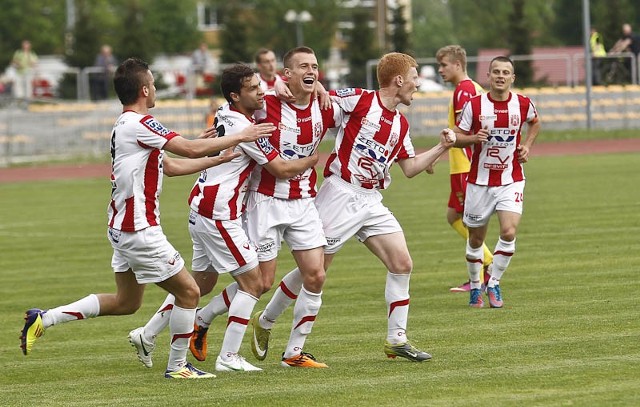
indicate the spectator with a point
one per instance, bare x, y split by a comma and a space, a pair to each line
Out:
597, 53
24, 61
200, 64
629, 42
102, 80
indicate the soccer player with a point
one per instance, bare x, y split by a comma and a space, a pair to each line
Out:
141, 252
265, 61
280, 209
220, 244
452, 67
372, 136
496, 180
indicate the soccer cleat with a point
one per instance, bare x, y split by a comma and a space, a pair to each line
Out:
302, 360
236, 364
475, 298
260, 337
495, 296
188, 372
198, 342
33, 329
143, 348
462, 288
405, 350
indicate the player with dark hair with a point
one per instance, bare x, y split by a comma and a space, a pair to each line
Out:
496, 180
217, 201
283, 209
141, 252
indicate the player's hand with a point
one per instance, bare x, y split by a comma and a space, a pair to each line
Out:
256, 131
323, 96
523, 153
430, 170
210, 132
447, 138
482, 135
227, 155
315, 157
283, 92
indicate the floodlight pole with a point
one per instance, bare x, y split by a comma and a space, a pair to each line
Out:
586, 22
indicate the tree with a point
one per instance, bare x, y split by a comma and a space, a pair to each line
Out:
520, 43
86, 36
399, 34
359, 48
136, 40
39, 21
173, 25
234, 37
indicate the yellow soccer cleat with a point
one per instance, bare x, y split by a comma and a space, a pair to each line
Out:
33, 329
188, 372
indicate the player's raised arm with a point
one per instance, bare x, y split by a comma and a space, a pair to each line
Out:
208, 146
173, 167
421, 162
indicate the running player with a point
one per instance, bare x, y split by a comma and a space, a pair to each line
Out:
371, 137
283, 209
220, 244
141, 252
496, 180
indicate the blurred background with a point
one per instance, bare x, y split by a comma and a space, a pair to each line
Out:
69, 106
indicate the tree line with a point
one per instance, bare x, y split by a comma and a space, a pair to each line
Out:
145, 28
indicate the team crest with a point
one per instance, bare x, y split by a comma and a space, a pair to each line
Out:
515, 120
393, 139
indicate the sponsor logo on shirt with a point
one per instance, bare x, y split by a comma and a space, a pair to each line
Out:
156, 127
292, 150
501, 135
264, 145
368, 123
372, 149
283, 127
346, 92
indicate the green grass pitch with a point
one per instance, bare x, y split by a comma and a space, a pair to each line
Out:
568, 334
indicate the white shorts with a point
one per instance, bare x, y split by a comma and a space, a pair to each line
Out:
147, 252
221, 244
482, 201
347, 210
270, 220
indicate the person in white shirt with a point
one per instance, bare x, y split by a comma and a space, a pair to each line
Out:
141, 252
496, 181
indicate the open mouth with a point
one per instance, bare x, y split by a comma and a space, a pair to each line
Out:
308, 81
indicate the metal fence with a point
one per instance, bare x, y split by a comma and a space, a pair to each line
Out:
617, 69
82, 129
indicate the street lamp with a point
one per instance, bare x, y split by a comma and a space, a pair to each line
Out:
293, 16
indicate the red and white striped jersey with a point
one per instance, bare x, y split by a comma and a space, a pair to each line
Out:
495, 162
136, 171
370, 139
298, 134
219, 191
266, 85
